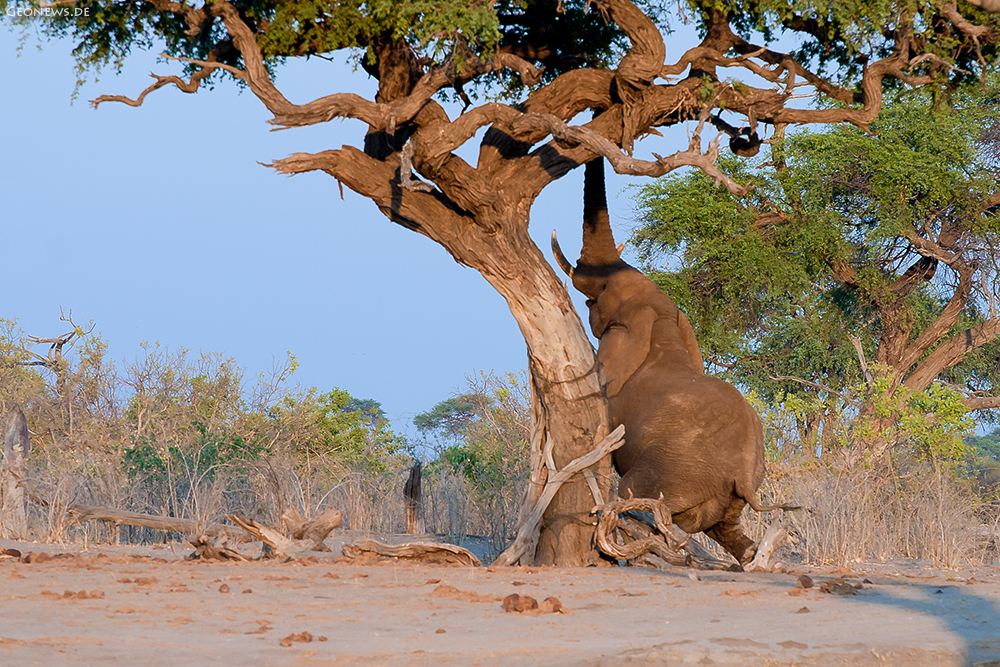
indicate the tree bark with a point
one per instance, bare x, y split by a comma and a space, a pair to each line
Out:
13, 513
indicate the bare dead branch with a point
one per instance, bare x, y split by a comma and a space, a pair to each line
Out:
856, 342
386, 117
816, 385
625, 164
189, 86
608, 523
775, 537
638, 525
315, 529
283, 547
428, 552
982, 403
209, 548
406, 171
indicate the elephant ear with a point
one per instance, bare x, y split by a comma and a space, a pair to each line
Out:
690, 342
624, 346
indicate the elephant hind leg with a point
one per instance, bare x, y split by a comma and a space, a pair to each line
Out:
730, 535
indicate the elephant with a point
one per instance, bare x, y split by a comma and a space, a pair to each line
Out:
689, 436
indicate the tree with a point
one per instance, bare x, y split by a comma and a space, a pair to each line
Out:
352, 430
554, 61
483, 436
856, 252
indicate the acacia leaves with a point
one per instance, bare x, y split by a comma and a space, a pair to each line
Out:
432, 27
919, 169
847, 33
847, 235
727, 267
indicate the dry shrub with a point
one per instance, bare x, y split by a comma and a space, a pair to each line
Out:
877, 514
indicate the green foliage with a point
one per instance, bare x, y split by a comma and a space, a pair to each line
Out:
984, 464
355, 430
201, 456
433, 27
929, 425
986, 446
483, 434
757, 276
450, 418
440, 31
833, 33
171, 432
337, 426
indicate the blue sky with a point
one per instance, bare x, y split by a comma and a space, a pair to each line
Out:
158, 224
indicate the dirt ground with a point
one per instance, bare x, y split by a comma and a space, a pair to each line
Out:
150, 606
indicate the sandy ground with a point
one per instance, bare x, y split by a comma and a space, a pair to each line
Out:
133, 606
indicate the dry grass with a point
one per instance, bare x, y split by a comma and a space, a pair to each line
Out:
879, 513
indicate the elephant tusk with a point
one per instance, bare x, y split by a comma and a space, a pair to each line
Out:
560, 257
621, 246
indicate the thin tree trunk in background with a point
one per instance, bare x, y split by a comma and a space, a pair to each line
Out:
414, 524
17, 446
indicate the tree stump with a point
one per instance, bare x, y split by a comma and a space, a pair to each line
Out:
17, 447
414, 524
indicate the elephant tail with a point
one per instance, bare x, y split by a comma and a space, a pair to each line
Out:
752, 502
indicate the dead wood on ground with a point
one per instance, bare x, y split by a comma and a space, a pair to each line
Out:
425, 552
649, 538
775, 537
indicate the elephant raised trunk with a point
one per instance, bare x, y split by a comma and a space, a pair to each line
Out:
598, 242
599, 256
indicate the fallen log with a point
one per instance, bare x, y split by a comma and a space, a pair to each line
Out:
426, 552
207, 548
281, 547
315, 529
79, 513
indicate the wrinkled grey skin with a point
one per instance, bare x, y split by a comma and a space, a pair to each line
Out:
688, 436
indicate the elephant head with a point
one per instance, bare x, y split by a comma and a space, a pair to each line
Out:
690, 439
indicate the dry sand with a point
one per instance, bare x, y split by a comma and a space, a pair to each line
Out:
142, 606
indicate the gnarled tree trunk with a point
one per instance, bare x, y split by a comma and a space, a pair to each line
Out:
570, 413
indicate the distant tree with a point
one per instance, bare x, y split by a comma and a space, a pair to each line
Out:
550, 61
987, 446
353, 430
985, 451
856, 255
483, 435
453, 417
